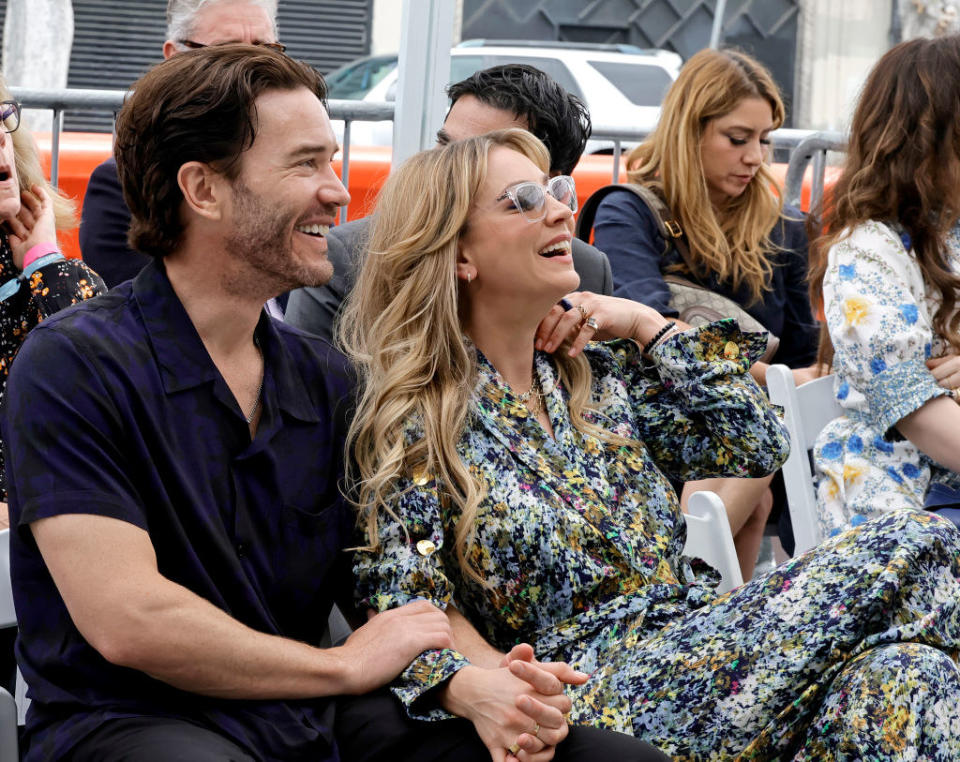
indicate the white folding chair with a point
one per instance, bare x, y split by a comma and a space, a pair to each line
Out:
8, 618
709, 537
807, 409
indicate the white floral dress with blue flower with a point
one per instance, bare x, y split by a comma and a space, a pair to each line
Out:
880, 315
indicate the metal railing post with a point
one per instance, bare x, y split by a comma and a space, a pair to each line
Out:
345, 165
55, 131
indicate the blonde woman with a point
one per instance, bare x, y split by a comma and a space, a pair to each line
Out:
35, 279
528, 494
706, 159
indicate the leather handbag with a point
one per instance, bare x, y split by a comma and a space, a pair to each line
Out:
693, 302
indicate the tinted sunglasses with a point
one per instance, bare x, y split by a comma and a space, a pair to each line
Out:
530, 199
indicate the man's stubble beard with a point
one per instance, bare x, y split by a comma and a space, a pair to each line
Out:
262, 244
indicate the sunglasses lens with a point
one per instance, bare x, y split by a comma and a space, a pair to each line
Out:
563, 190
529, 199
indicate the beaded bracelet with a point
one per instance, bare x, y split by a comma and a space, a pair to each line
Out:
657, 336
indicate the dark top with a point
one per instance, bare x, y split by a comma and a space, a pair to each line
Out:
116, 409
48, 290
626, 230
316, 309
103, 228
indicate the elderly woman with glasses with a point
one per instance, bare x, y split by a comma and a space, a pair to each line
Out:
35, 278
528, 494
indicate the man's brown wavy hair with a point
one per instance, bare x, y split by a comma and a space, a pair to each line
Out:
903, 167
195, 106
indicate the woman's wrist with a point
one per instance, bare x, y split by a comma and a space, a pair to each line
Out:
668, 328
455, 694
39, 250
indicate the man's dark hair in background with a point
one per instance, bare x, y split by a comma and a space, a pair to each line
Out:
558, 118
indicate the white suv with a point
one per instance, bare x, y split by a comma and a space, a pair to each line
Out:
621, 85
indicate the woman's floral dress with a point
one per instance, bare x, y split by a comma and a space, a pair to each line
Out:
880, 315
846, 652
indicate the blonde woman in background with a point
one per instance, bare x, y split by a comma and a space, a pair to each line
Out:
527, 493
35, 279
707, 161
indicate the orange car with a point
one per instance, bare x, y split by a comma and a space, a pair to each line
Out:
81, 152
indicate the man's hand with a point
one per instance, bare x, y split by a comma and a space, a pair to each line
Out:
376, 653
34, 223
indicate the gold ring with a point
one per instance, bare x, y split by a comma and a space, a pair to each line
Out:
515, 749
955, 393
536, 729
584, 315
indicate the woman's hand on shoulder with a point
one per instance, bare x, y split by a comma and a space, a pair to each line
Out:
594, 317
33, 224
946, 370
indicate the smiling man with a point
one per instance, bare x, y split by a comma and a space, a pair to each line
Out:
176, 452
191, 24
513, 95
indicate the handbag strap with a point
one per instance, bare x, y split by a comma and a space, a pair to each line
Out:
667, 223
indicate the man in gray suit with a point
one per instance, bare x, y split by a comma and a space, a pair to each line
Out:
513, 95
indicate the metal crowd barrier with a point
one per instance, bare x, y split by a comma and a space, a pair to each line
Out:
813, 146
63, 100
804, 145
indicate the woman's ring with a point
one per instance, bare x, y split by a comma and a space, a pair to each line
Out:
584, 315
955, 393
515, 749
565, 303
591, 322
536, 729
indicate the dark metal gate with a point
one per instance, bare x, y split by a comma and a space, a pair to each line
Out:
115, 41
766, 29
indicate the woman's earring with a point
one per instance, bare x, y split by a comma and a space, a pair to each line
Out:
469, 278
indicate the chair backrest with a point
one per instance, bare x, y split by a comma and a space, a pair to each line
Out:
807, 409
8, 616
709, 537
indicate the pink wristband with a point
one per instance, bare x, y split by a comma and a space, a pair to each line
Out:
40, 250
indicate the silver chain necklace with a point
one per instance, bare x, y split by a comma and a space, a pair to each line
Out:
263, 372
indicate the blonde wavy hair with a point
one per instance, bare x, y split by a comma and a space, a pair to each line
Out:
30, 172
733, 242
402, 330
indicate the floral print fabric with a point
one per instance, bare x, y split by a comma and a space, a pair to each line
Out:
880, 315
580, 542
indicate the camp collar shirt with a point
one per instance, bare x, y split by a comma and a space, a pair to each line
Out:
116, 409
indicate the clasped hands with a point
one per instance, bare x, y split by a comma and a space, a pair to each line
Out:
518, 708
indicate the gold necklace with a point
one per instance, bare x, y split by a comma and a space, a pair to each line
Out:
532, 398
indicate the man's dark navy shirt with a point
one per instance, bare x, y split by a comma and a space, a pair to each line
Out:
115, 408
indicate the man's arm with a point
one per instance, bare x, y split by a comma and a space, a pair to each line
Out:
106, 571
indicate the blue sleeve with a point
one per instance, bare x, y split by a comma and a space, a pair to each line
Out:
104, 223
801, 332
626, 231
